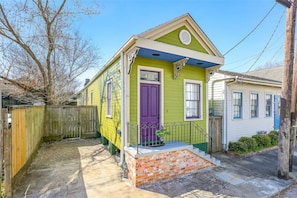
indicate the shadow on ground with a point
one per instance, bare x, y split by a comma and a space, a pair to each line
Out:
55, 172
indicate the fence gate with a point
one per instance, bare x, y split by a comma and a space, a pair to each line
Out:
71, 121
215, 132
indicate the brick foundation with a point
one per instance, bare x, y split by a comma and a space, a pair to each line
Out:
154, 167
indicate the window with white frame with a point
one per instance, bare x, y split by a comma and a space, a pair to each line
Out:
109, 98
268, 105
237, 105
254, 105
192, 99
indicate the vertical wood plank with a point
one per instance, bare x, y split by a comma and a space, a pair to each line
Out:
7, 162
4, 125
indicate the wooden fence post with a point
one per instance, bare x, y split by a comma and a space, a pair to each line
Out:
7, 162
1, 149
7, 156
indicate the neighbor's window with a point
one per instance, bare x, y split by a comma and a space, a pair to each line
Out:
109, 98
237, 105
192, 99
268, 105
254, 105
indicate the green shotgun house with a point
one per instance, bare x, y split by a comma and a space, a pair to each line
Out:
156, 81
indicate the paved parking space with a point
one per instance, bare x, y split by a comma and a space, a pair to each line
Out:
76, 168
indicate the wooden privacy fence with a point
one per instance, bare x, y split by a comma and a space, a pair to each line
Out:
71, 121
31, 124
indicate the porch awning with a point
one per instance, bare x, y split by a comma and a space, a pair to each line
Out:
166, 52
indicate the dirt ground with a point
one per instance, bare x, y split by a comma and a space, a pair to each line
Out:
76, 168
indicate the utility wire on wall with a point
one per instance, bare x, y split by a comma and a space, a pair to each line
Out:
252, 30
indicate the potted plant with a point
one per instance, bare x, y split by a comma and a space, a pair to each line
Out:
161, 133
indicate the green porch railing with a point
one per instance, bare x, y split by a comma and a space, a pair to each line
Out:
188, 132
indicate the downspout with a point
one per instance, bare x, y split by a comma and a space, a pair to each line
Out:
123, 105
231, 80
226, 112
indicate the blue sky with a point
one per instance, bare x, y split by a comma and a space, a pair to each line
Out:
225, 22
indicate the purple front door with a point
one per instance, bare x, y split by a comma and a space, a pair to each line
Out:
149, 112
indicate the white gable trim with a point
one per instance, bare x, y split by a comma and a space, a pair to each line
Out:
191, 25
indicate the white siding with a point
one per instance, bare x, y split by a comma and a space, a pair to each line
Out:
218, 89
247, 126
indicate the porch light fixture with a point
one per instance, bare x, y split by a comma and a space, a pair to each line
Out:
286, 3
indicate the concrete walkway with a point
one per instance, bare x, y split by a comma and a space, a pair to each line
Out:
84, 168
76, 169
249, 177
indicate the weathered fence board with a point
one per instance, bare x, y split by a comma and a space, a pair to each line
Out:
18, 140
71, 121
30, 124
34, 128
4, 125
215, 132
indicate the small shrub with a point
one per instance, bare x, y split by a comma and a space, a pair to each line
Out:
262, 140
238, 147
273, 137
250, 143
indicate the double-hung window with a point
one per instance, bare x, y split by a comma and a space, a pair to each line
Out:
192, 99
109, 98
237, 105
254, 105
268, 105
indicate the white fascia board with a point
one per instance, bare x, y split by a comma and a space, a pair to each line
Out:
117, 55
163, 47
260, 82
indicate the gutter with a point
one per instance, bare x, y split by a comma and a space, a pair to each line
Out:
127, 45
261, 82
232, 79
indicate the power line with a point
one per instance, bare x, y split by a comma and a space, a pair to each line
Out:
252, 30
279, 21
277, 53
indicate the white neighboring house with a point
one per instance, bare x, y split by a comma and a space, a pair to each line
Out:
248, 104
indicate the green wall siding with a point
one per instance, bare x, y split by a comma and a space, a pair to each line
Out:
107, 126
172, 38
173, 90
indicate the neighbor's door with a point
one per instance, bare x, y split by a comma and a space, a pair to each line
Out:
276, 112
149, 112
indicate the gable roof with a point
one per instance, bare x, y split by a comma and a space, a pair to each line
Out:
146, 46
273, 73
242, 77
187, 21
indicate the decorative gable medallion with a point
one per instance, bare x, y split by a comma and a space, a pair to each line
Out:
185, 37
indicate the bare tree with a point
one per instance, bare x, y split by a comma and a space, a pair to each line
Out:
270, 65
40, 52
